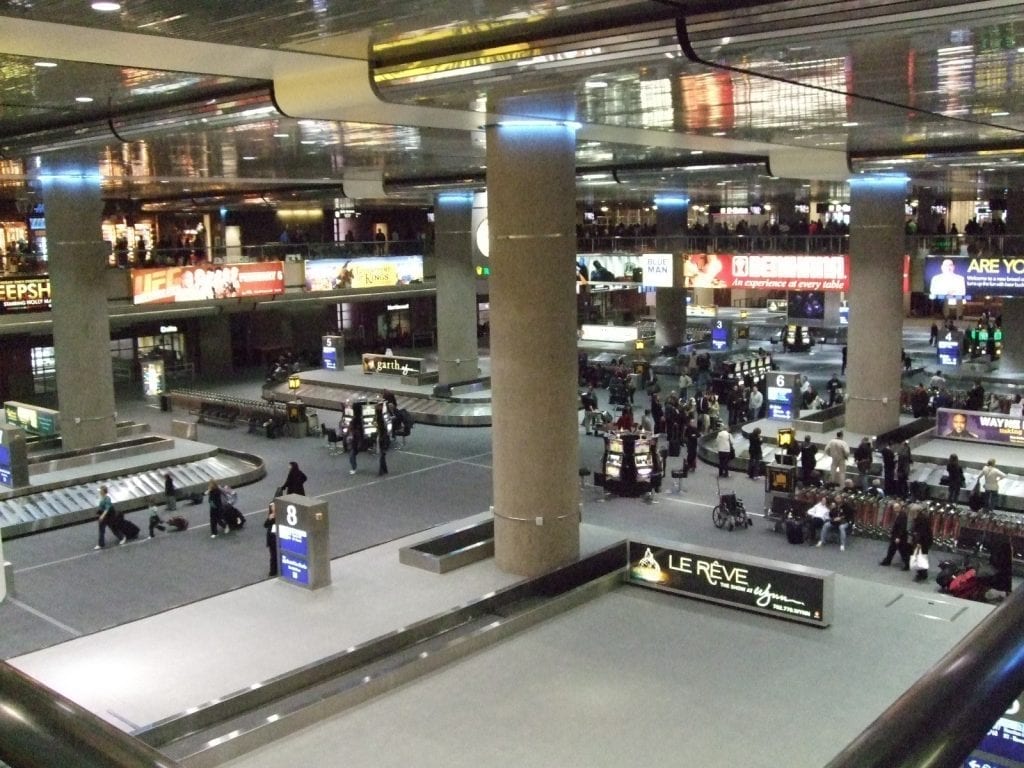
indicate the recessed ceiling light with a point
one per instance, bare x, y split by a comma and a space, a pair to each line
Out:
104, 7
281, 135
850, 125
596, 84
83, 99
248, 157
1000, 114
46, 64
718, 133
696, 151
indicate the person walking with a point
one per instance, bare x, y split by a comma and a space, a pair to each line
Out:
889, 469
271, 525
108, 518
215, 499
898, 536
921, 537
955, 473
383, 441
990, 477
295, 482
355, 436
838, 452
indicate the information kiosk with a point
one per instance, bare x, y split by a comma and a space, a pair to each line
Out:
303, 534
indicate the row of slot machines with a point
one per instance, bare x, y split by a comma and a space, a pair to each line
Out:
753, 367
631, 465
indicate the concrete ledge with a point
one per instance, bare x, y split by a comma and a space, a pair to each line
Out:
452, 550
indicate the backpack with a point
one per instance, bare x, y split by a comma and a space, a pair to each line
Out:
965, 584
228, 494
406, 421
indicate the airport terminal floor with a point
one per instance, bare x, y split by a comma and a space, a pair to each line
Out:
139, 633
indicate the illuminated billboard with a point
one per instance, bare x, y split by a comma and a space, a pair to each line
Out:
24, 294
365, 272
960, 276
768, 271
167, 285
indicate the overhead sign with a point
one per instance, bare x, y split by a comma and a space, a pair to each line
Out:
959, 276
765, 586
783, 395
949, 352
165, 285
25, 294
657, 269
32, 418
395, 366
363, 272
979, 426
769, 271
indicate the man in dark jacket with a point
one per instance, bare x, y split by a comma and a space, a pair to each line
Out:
889, 469
808, 460
898, 536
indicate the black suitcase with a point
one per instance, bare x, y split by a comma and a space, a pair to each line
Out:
234, 518
129, 529
794, 531
674, 447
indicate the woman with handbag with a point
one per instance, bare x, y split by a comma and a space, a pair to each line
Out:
955, 473
921, 539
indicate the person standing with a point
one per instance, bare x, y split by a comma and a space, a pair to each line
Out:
862, 456
903, 461
808, 460
754, 404
955, 472
692, 435
383, 441
842, 368
108, 518
723, 444
754, 454
271, 525
889, 469
898, 539
170, 493
355, 436
295, 482
215, 499
838, 452
990, 477
685, 382
921, 536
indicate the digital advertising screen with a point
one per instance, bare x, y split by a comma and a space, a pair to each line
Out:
806, 305
949, 352
168, 285
25, 294
979, 426
769, 271
966, 276
364, 272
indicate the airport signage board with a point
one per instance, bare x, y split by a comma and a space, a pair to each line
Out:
25, 294
363, 272
721, 335
772, 271
949, 352
769, 587
965, 276
979, 426
332, 350
302, 538
31, 418
783, 395
167, 285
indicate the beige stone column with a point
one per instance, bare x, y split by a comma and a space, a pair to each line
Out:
81, 327
875, 340
457, 354
531, 202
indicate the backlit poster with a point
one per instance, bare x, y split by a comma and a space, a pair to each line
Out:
365, 272
165, 285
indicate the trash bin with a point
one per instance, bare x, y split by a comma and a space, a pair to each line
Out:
165, 403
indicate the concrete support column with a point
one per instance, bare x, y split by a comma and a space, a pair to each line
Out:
874, 363
670, 222
531, 197
1012, 359
81, 327
1013, 245
670, 317
457, 354
215, 355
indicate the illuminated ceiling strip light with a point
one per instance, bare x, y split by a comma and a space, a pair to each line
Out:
538, 123
879, 180
671, 201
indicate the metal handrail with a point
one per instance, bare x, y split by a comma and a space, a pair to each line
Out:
40, 728
943, 717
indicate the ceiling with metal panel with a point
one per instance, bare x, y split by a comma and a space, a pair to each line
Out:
730, 102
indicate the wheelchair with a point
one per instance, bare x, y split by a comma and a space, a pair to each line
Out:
729, 513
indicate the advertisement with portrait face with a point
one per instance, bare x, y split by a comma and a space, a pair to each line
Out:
960, 276
979, 426
768, 271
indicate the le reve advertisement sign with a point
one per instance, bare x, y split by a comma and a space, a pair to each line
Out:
778, 589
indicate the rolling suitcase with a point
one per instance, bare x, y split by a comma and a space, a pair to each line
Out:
794, 531
234, 518
129, 529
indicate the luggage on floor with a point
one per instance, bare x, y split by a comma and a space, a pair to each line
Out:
794, 531
129, 529
966, 585
947, 572
234, 518
177, 523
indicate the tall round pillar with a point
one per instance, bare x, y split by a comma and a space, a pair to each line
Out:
78, 286
457, 355
531, 202
875, 339
1012, 359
